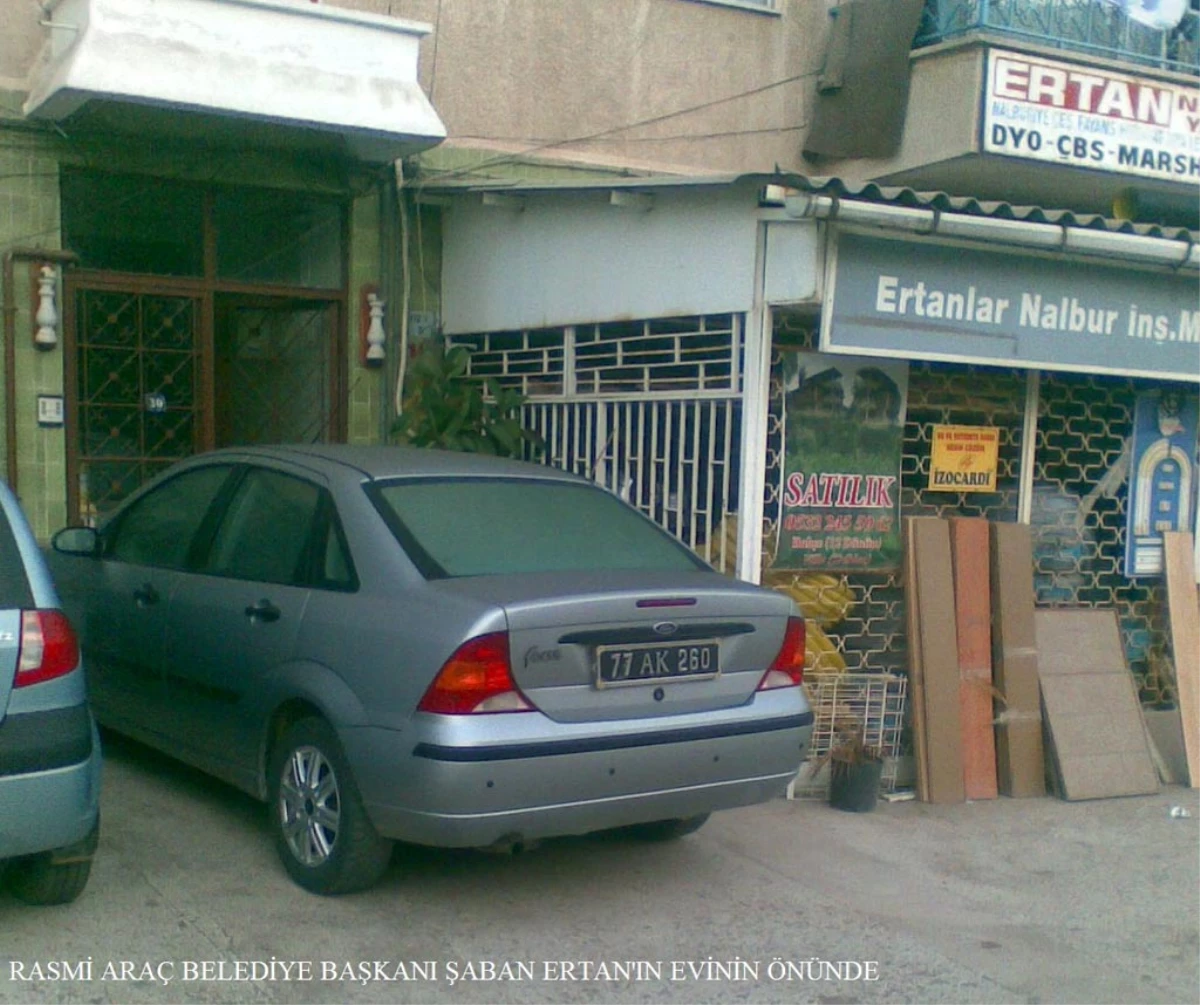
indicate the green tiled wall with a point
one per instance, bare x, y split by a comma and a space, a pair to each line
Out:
365, 384
29, 219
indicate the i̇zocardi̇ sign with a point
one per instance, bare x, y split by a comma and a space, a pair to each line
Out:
963, 458
1084, 116
923, 300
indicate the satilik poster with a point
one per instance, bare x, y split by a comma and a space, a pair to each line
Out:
843, 438
1162, 476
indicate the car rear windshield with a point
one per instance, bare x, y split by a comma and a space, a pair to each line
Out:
480, 527
15, 591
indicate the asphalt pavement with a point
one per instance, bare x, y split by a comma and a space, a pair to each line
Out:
1005, 901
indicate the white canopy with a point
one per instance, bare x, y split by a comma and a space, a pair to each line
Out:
292, 63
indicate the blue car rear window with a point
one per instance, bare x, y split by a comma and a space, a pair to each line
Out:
15, 590
482, 527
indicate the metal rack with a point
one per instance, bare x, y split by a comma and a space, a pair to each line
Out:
874, 703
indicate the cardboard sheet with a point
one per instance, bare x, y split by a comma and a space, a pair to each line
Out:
1092, 712
1020, 760
931, 584
973, 614
1184, 609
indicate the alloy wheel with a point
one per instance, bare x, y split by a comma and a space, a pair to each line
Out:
309, 806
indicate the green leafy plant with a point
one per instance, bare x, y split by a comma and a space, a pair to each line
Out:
446, 408
848, 745
850, 749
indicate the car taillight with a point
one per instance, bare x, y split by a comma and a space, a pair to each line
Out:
788, 668
48, 647
476, 679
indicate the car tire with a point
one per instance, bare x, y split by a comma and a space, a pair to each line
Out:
322, 832
669, 830
42, 881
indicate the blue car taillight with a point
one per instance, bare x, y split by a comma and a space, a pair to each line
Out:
49, 648
788, 668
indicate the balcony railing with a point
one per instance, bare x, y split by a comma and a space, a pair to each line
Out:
1100, 29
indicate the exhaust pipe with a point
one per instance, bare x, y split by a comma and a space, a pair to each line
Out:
510, 844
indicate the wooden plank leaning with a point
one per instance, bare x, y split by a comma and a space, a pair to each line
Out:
1184, 609
973, 615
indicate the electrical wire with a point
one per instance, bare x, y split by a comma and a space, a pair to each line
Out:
440, 176
658, 139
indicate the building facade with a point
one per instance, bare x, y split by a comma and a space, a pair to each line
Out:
192, 226
1045, 149
673, 224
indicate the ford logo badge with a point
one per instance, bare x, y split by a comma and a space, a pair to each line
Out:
666, 628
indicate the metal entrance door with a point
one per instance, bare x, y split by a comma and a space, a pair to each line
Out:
135, 371
276, 371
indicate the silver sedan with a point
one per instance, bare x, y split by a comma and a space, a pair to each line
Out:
388, 643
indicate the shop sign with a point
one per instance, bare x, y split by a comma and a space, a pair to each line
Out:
963, 459
1083, 116
1162, 477
923, 300
842, 442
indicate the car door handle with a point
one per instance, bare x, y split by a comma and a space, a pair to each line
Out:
264, 610
145, 595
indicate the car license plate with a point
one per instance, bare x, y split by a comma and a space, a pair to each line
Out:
653, 663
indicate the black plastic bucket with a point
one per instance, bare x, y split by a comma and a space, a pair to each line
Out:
854, 786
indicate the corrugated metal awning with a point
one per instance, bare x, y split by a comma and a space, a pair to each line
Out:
835, 187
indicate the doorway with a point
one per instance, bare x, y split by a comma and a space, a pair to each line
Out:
199, 316
136, 374
155, 377
275, 370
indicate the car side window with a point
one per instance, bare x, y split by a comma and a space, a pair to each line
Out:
266, 533
334, 569
159, 528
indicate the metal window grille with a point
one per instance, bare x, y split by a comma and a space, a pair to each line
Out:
1083, 424
651, 410
137, 396
1100, 29
692, 356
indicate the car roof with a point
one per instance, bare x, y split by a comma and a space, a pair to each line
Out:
393, 461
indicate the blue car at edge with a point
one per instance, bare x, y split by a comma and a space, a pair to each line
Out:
49, 747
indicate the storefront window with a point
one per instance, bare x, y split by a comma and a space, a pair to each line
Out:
866, 629
1079, 505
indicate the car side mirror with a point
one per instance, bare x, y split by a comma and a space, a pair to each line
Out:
82, 541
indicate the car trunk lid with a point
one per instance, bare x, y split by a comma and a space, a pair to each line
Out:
609, 645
